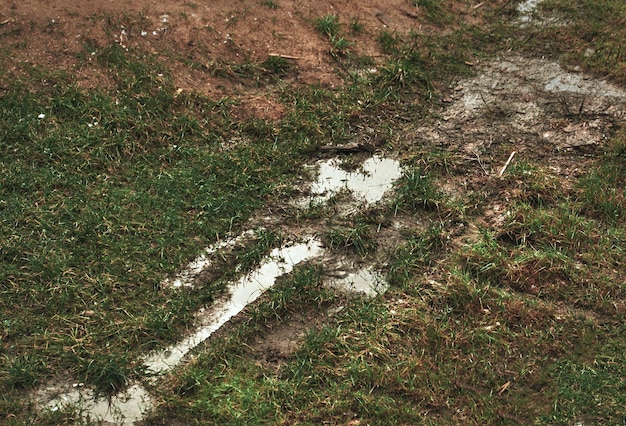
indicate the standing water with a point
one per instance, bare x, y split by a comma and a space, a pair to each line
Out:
369, 184
281, 261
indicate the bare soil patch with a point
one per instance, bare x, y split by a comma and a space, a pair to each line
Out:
203, 38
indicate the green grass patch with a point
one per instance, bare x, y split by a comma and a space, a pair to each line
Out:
103, 194
594, 35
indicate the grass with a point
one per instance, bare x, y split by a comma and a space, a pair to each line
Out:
79, 233
593, 36
105, 192
328, 25
358, 239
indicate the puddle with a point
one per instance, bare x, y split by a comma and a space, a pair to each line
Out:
125, 408
528, 99
192, 270
582, 85
369, 184
365, 281
128, 407
281, 261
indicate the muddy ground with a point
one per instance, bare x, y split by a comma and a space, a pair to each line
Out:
514, 109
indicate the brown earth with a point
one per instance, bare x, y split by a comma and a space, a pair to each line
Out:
202, 38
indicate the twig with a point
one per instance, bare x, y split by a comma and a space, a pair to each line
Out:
480, 162
582, 105
506, 164
485, 102
277, 55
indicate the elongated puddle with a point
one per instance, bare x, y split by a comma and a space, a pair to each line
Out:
281, 261
131, 405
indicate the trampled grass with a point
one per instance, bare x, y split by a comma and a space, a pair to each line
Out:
104, 193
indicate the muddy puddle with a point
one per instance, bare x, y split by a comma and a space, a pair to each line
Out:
534, 101
240, 294
125, 408
365, 281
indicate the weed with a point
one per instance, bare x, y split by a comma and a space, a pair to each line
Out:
530, 184
584, 389
358, 239
328, 25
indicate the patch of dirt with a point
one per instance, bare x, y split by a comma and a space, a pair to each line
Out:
202, 39
531, 107
281, 340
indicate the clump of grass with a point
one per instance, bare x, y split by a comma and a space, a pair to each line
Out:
24, 371
416, 190
276, 65
411, 259
530, 184
107, 373
435, 12
358, 239
328, 25
356, 26
603, 189
270, 3
389, 42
